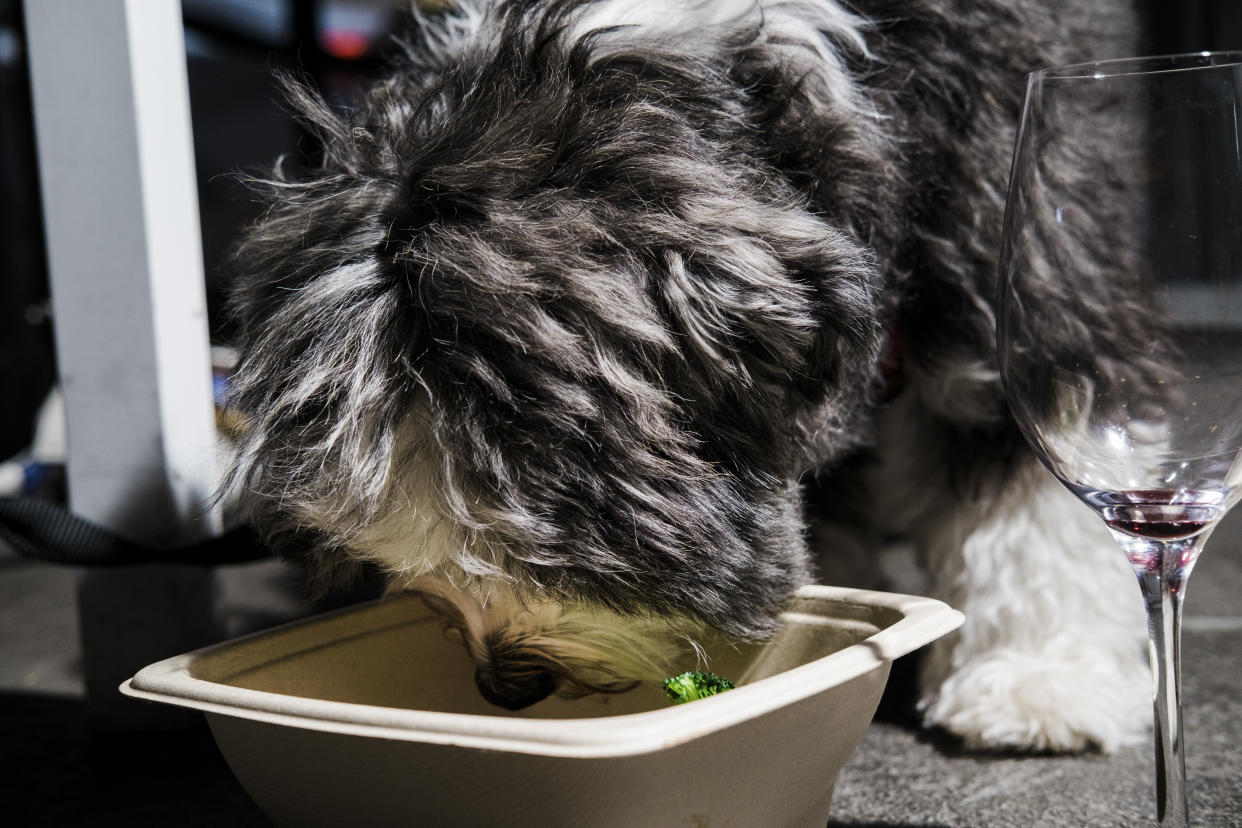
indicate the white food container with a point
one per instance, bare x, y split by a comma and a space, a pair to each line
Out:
369, 717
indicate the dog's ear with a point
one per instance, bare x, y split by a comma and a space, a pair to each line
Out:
326, 340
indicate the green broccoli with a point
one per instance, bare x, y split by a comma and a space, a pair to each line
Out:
691, 686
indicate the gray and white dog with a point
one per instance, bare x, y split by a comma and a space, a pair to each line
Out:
586, 294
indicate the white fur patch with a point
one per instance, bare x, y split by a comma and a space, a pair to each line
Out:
424, 529
1049, 657
807, 38
694, 23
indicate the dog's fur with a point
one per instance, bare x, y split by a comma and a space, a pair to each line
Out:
587, 293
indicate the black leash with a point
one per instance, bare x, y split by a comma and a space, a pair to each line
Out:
47, 531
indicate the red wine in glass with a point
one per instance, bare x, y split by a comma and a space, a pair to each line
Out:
1166, 516
1162, 514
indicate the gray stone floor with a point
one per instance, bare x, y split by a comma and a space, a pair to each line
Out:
900, 776
60, 768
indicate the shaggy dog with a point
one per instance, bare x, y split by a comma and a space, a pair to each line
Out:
594, 307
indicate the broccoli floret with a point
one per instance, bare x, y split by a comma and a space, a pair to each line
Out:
691, 686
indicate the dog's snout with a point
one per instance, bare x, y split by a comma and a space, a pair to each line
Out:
515, 692
514, 678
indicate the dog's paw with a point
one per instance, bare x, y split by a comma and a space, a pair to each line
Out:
1045, 702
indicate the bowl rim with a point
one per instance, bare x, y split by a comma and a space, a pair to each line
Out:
922, 620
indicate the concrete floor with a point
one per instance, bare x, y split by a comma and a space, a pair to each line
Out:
60, 766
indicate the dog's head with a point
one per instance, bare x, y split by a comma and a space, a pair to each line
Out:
555, 327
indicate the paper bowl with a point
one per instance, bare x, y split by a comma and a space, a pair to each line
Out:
369, 717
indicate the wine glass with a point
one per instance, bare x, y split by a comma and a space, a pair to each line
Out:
1120, 320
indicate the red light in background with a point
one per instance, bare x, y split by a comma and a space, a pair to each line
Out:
345, 44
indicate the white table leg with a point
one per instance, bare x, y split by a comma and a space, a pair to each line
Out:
121, 214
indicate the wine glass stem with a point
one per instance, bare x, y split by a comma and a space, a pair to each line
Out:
1162, 580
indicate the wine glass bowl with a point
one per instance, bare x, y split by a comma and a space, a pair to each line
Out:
1120, 319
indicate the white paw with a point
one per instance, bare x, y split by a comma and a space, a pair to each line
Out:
1057, 699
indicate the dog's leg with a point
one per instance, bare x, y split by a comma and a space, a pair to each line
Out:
1049, 657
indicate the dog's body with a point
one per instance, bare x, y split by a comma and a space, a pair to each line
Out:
585, 293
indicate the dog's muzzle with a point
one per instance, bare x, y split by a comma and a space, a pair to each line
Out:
514, 677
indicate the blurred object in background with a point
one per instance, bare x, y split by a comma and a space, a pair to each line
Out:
240, 123
38, 470
27, 365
